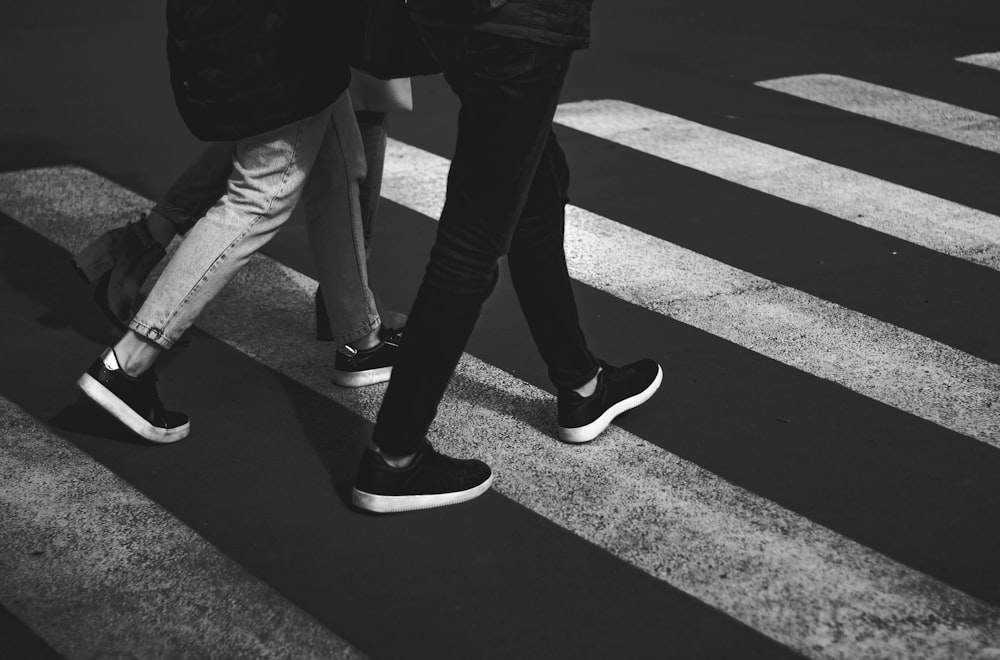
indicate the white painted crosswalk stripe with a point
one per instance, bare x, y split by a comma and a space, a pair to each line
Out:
926, 220
969, 127
887, 363
987, 60
97, 569
785, 576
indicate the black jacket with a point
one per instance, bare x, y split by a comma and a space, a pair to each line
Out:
243, 67
559, 22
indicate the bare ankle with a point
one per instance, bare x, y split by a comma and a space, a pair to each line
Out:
367, 342
396, 461
135, 354
588, 388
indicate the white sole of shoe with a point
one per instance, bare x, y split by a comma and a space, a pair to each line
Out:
362, 378
400, 503
120, 410
588, 432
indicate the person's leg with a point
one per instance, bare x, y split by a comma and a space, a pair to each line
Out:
268, 175
509, 90
331, 201
375, 101
538, 270
504, 124
332, 209
119, 261
269, 172
541, 279
374, 134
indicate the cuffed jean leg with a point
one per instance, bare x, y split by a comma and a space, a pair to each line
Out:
269, 172
333, 218
199, 187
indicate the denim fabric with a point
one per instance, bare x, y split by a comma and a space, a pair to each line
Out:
506, 195
319, 159
204, 181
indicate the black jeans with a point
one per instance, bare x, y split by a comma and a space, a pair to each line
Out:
506, 195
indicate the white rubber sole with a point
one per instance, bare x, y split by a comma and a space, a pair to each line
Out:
106, 399
586, 433
399, 503
361, 378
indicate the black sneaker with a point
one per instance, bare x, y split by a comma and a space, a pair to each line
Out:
133, 401
356, 368
581, 419
431, 480
119, 261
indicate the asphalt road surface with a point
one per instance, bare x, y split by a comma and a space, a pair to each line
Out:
791, 206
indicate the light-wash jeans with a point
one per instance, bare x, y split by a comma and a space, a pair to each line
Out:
319, 159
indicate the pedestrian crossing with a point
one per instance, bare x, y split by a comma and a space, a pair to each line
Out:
126, 575
802, 584
926, 220
987, 60
644, 505
961, 125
